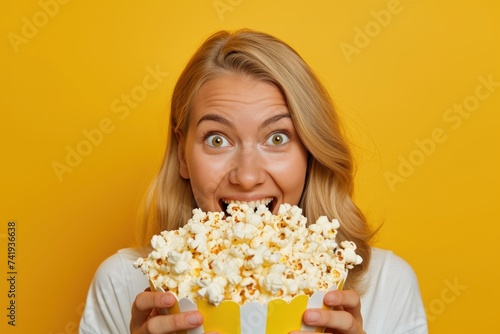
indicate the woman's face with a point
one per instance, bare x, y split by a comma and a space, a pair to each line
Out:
241, 145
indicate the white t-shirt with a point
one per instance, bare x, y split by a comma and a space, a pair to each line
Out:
391, 303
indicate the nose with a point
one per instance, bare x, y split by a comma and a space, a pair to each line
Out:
248, 169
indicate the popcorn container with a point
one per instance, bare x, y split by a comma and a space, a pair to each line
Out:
221, 257
275, 317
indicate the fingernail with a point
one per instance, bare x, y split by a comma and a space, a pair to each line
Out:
312, 316
330, 298
167, 300
194, 319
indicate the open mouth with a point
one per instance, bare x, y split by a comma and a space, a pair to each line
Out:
269, 202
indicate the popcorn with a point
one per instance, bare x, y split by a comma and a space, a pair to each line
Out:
249, 255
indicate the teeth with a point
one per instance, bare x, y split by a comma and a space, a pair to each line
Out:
252, 204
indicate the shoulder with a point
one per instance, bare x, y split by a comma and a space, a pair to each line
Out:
389, 274
387, 264
391, 300
120, 260
118, 270
111, 294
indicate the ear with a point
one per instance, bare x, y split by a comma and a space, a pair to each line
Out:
181, 156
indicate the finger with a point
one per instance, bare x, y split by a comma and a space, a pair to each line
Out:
347, 300
145, 303
341, 321
171, 323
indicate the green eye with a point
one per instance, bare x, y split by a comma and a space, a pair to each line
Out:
277, 139
216, 141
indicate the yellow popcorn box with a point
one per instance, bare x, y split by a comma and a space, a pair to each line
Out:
275, 317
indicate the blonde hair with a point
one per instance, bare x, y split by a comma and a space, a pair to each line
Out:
329, 181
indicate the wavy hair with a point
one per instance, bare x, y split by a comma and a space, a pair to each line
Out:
329, 181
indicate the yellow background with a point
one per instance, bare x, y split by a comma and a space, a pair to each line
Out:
394, 88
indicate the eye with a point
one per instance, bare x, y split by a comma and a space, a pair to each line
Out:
216, 141
277, 138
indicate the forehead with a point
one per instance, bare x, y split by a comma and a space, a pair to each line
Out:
237, 89
236, 95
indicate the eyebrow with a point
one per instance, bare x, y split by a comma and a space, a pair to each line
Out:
224, 121
273, 119
215, 118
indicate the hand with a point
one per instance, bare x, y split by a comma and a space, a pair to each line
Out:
147, 320
345, 316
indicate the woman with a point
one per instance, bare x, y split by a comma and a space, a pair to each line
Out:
250, 122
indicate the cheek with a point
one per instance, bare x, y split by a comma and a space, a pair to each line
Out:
205, 176
290, 176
